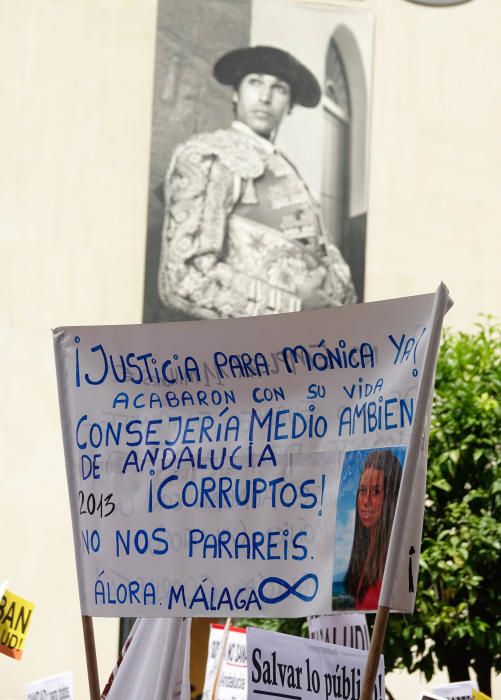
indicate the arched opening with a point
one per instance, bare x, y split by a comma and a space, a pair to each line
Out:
336, 161
344, 168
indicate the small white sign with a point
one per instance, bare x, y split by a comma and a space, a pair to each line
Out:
284, 666
232, 684
349, 630
462, 690
58, 687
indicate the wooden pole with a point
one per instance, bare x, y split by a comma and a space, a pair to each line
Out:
220, 658
375, 649
90, 655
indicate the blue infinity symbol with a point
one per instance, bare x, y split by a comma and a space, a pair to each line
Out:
288, 589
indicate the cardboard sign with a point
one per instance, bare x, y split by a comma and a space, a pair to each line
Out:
206, 461
284, 666
15, 618
232, 683
478, 695
58, 687
348, 630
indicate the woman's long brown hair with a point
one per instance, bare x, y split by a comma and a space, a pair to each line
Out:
366, 567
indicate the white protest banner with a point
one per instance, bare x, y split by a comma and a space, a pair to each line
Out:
284, 666
155, 662
460, 690
232, 683
228, 468
348, 630
59, 687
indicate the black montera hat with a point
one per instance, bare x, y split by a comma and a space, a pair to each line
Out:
235, 65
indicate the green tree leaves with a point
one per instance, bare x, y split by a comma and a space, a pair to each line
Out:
456, 622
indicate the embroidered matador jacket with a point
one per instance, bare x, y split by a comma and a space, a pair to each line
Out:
242, 233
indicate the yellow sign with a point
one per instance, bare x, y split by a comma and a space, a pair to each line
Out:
15, 617
477, 695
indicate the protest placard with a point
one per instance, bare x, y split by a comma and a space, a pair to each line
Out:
284, 666
206, 461
15, 618
232, 680
348, 630
58, 687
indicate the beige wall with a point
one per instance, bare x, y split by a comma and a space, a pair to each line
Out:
75, 95
436, 155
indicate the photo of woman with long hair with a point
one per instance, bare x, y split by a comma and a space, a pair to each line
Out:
376, 500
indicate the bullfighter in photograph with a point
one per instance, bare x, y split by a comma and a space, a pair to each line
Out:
242, 234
